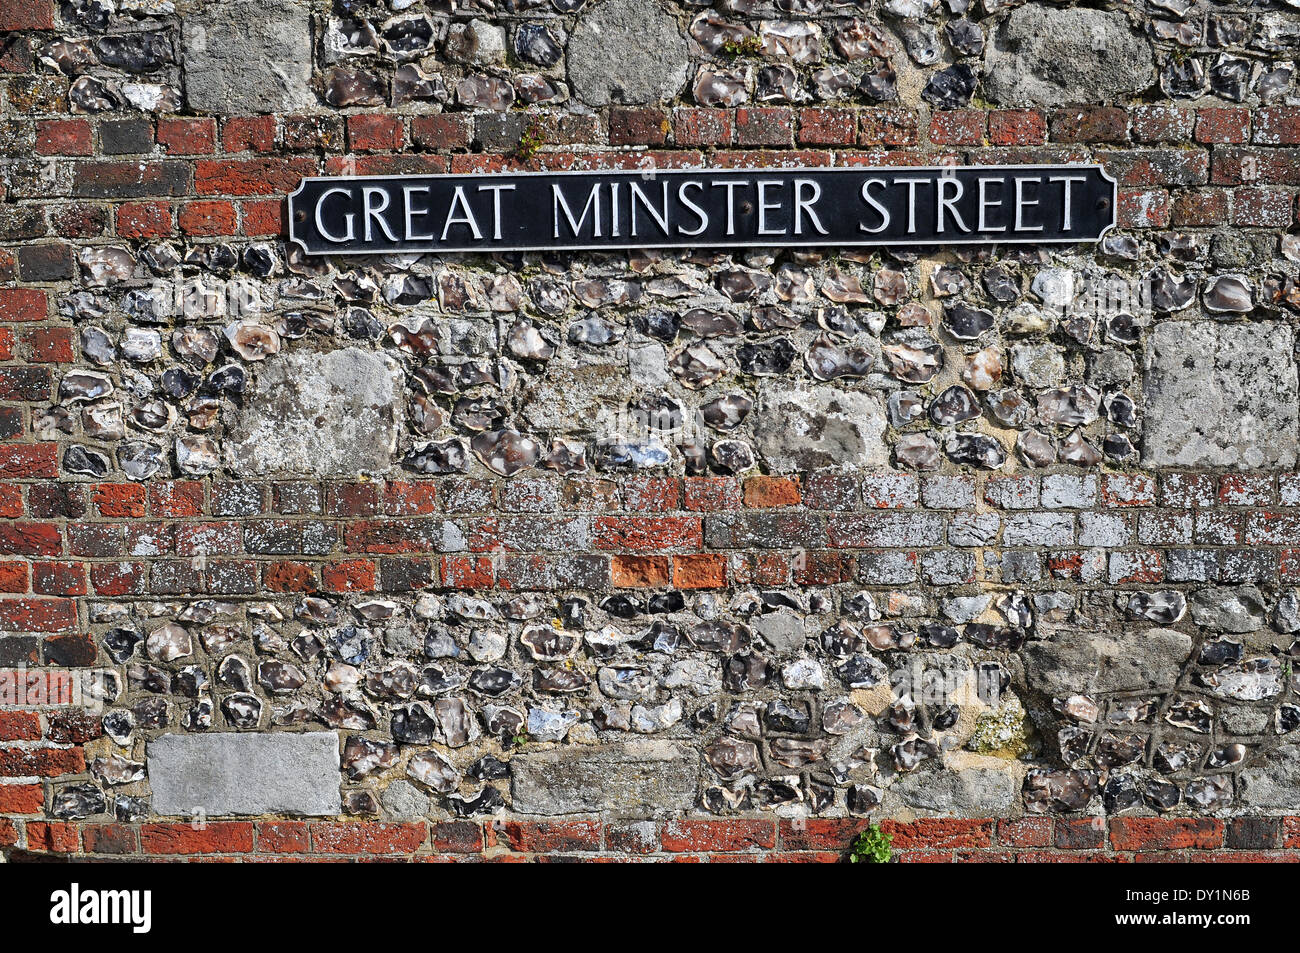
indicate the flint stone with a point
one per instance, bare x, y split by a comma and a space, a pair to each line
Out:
245, 773
246, 56
802, 430
1274, 783
643, 41
1084, 663
329, 414
636, 778
1220, 395
1052, 57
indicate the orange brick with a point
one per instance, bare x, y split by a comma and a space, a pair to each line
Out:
633, 572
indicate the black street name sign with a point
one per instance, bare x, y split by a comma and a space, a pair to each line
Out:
364, 215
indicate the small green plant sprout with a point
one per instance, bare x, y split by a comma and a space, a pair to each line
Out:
520, 739
872, 846
530, 142
742, 46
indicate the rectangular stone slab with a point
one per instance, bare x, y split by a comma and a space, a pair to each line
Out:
227, 773
638, 779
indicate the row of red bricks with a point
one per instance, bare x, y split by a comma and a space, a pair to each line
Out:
1185, 188
545, 494
817, 839
761, 126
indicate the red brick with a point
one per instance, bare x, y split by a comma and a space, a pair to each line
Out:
109, 839
638, 127
37, 615
21, 798
350, 575
702, 127
26, 15
13, 576
628, 572
648, 533
1017, 127
468, 572
119, 500
37, 687
187, 137
64, 137
1080, 833
1161, 123
1277, 125
41, 762
212, 837
1143, 208
176, 499
19, 726
22, 304
1124, 489
366, 838
208, 218
545, 837
144, 220
283, 837
827, 127
1200, 208
700, 571
1161, 833
957, 127
820, 567
11, 501
118, 579
764, 126
1217, 125
441, 132
8, 344
72, 726
290, 577
1090, 124
769, 491
1261, 208
30, 539
375, 132
29, 461
56, 837
652, 494
710, 494
887, 126
1025, 831
250, 176
939, 832
59, 579
410, 499
456, 837
352, 499
248, 134
49, 345
263, 218
724, 836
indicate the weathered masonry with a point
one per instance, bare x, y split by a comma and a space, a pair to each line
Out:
478, 524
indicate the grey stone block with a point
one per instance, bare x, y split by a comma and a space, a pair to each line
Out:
806, 430
1078, 662
1275, 783
627, 51
332, 414
228, 773
1051, 57
637, 779
246, 56
1220, 395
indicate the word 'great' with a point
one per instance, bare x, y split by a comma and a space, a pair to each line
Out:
700, 208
